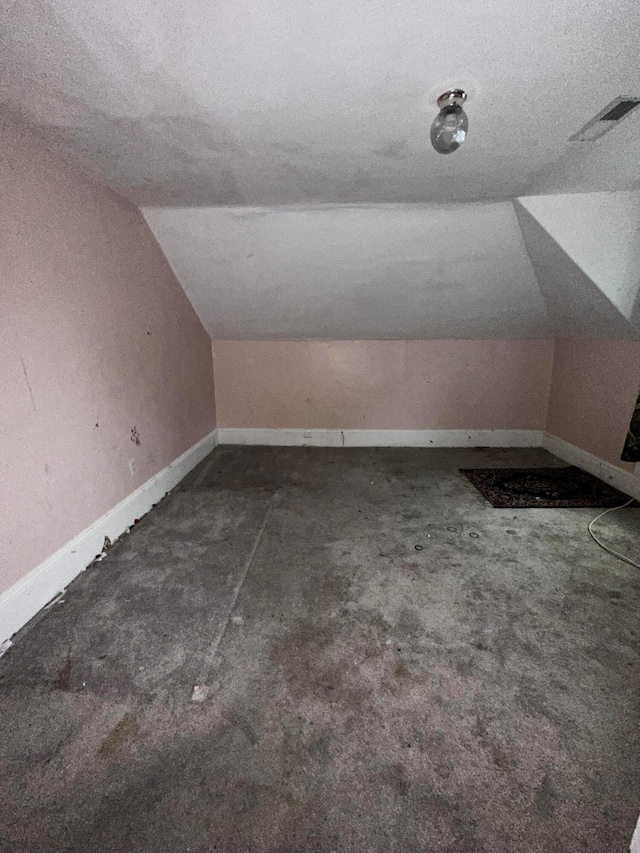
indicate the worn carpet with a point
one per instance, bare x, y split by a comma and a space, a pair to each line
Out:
267, 663
530, 488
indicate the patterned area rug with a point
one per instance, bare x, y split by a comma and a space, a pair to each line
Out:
542, 487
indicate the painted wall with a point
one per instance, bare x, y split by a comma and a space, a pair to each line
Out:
593, 391
383, 384
105, 369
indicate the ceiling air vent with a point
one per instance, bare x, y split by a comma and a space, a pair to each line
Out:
607, 119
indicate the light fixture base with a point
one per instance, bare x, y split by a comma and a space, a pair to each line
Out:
452, 98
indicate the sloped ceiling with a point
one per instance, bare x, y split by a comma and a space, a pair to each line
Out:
451, 271
566, 265
600, 233
280, 150
577, 307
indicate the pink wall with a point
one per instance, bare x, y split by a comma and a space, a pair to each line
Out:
383, 384
96, 338
593, 391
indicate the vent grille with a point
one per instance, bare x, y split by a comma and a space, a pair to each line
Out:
620, 110
606, 120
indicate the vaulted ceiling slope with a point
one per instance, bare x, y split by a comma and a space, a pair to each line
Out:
280, 150
451, 271
249, 102
598, 235
554, 266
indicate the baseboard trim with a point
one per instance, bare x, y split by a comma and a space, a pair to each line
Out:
382, 437
20, 603
625, 481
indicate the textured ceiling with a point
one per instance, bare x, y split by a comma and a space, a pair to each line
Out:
270, 102
280, 150
564, 265
600, 234
579, 304
345, 272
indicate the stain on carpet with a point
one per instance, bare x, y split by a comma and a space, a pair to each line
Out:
63, 676
126, 729
478, 695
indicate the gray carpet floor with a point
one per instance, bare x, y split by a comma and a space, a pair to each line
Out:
333, 650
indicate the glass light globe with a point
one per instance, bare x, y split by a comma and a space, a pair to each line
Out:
449, 129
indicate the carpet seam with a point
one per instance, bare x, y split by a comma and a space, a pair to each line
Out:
213, 649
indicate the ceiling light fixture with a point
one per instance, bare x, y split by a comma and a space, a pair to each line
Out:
450, 126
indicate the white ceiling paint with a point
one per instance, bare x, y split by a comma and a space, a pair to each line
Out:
454, 271
281, 150
269, 102
600, 232
610, 163
577, 306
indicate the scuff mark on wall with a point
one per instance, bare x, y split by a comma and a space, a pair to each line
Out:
24, 370
76, 254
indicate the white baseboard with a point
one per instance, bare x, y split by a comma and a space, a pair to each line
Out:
382, 437
24, 599
625, 481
